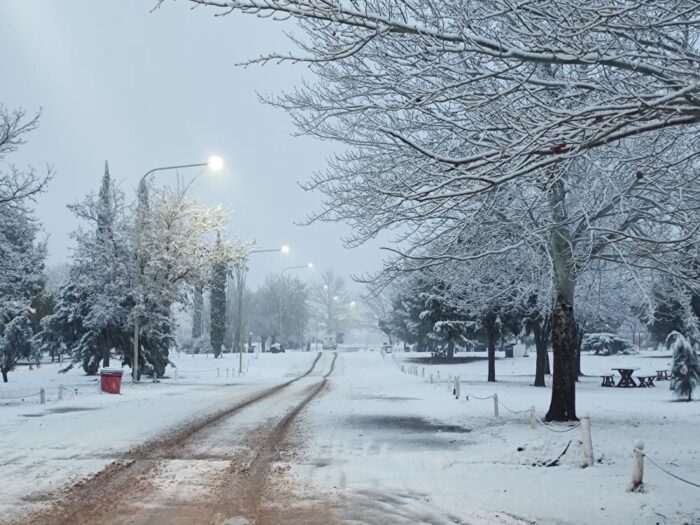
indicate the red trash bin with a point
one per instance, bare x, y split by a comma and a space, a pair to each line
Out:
111, 380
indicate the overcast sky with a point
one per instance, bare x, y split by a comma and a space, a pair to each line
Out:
116, 82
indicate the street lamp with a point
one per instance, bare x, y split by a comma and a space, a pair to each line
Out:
284, 249
215, 164
308, 265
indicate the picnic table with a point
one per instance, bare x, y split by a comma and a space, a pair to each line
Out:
646, 381
662, 375
626, 380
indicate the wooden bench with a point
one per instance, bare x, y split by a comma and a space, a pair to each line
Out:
608, 380
646, 381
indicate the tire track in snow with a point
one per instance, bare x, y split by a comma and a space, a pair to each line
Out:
95, 499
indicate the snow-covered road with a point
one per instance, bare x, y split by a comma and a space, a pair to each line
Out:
322, 440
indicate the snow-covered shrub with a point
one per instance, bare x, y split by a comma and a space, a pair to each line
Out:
200, 345
606, 344
15, 344
685, 373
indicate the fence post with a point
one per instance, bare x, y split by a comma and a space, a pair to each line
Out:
218, 372
587, 441
60, 392
431, 379
637, 484
42, 396
176, 373
495, 405
227, 372
402, 369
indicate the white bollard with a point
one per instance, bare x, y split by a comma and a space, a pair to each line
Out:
176, 374
218, 372
402, 368
637, 484
60, 392
431, 379
42, 396
422, 373
458, 388
587, 441
495, 405
533, 418
227, 372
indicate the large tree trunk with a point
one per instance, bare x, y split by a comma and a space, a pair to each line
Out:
491, 341
579, 343
563, 403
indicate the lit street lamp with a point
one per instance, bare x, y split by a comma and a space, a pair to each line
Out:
309, 266
215, 164
243, 269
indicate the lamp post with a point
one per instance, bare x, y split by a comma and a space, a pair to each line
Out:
309, 266
243, 269
213, 163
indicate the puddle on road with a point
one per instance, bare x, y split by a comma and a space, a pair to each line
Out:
407, 423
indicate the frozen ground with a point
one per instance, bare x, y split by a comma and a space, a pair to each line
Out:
377, 446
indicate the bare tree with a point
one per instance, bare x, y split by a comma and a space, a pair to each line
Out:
560, 132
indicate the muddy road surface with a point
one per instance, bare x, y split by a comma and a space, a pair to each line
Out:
226, 468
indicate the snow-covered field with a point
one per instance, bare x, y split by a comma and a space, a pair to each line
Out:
398, 444
383, 446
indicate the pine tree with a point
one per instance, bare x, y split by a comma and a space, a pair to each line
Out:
15, 344
685, 372
217, 298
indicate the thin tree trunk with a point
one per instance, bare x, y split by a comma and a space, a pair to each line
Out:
492, 355
450, 349
542, 358
4, 375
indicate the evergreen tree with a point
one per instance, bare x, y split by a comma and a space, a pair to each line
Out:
685, 373
197, 312
91, 315
15, 344
217, 298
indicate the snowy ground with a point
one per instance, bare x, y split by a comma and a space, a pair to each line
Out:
45, 446
405, 446
382, 446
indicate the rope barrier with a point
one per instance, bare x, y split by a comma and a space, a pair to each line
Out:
18, 397
479, 398
667, 471
513, 411
548, 427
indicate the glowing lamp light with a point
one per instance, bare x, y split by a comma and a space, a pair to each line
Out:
215, 163
284, 249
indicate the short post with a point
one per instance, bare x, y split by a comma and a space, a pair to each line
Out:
458, 388
430, 379
533, 418
402, 368
42, 396
495, 405
637, 484
587, 441
60, 392
176, 374
218, 372
422, 373
227, 372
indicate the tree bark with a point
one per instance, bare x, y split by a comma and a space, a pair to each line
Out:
4, 375
491, 340
542, 358
563, 404
450, 349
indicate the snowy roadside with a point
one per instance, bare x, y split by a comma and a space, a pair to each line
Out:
389, 442
46, 446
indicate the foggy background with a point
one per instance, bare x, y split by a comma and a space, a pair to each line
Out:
145, 89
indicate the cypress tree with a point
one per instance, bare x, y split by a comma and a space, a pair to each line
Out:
217, 298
